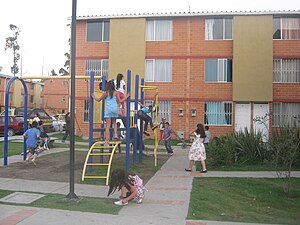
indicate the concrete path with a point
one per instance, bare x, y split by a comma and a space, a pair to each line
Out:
166, 202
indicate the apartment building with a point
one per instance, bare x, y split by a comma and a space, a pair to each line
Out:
221, 69
56, 95
16, 93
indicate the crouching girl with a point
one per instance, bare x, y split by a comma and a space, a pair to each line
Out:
131, 186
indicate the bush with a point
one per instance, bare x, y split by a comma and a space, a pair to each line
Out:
222, 150
250, 147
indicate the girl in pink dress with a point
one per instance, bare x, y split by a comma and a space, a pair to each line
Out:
131, 186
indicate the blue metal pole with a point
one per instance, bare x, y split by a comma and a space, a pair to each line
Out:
5, 155
25, 116
136, 97
91, 109
6, 119
128, 121
142, 123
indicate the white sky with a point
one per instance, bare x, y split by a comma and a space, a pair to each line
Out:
44, 31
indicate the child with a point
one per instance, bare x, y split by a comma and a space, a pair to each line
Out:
67, 129
44, 137
120, 87
32, 136
161, 128
131, 186
207, 138
167, 138
111, 97
143, 115
197, 150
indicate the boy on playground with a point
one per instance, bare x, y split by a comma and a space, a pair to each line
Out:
32, 136
167, 138
143, 115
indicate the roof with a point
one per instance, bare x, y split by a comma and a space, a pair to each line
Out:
190, 14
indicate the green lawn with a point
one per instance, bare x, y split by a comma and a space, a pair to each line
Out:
83, 204
244, 200
14, 148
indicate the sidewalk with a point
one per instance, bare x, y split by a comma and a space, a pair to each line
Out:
165, 203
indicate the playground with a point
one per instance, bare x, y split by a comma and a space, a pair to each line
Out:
54, 166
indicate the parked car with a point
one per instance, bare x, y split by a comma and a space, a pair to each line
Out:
57, 125
43, 115
15, 125
61, 118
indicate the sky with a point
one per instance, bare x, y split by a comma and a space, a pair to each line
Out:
45, 32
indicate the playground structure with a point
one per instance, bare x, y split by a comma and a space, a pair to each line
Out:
130, 128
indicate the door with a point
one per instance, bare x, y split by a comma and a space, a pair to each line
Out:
242, 117
261, 119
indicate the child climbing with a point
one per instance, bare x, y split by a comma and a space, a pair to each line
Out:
131, 186
143, 115
111, 97
197, 150
120, 87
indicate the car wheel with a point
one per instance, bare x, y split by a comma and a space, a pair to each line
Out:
10, 132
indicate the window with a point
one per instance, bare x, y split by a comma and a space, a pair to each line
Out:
218, 113
286, 70
31, 86
159, 70
218, 70
86, 110
286, 114
31, 98
164, 110
286, 28
97, 31
159, 30
218, 29
99, 66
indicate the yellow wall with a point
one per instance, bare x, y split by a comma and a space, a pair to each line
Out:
127, 48
37, 95
253, 58
17, 87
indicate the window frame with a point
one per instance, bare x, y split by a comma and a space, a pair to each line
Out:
279, 119
97, 72
153, 71
284, 73
280, 27
102, 31
228, 115
223, 29
86, 107
155, 21
226, 62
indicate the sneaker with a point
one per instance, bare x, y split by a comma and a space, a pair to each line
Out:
146, 133
203, 171
116, 138
170, 153
188, 170
120, 203
140, 201
62, 141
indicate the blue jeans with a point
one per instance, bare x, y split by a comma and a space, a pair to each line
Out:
168, 146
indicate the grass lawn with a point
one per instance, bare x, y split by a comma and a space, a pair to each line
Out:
244, 200
14, 148
83, 204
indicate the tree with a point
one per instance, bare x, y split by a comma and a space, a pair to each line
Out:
1, 68
65, 70
12, 42
53, 73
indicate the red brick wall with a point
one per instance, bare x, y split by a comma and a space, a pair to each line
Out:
188, 50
